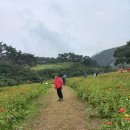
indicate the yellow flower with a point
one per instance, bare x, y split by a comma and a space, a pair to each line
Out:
126, 115
129, 96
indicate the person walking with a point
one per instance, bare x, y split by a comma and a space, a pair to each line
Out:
58, 83
85, 74
64, 79
95, 75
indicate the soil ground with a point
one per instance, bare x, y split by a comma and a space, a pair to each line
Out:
70, 114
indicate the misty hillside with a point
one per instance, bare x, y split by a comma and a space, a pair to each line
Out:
105, 58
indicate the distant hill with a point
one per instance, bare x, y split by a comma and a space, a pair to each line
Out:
105, 58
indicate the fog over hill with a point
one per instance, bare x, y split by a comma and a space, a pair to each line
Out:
105, 58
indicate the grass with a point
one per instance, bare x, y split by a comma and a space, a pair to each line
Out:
106, 94
52, 66
19, 103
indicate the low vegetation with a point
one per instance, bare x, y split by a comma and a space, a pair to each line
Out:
73, 69
13, 75
109, 95
52, 66
17, 104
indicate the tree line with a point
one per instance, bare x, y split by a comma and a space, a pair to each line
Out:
8, 54
122, 54
15, 66
69, 57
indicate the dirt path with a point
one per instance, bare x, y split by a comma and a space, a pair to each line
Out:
67, 115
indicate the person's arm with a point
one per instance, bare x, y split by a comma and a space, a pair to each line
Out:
61, 82
55, 84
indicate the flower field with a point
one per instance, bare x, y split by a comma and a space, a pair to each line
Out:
16, 104
109, 95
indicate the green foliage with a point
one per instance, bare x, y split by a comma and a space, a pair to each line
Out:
72, 69
52, 66
122, 54
69, 57
106, 94
8, 54
119, 54
16, 103
12, 75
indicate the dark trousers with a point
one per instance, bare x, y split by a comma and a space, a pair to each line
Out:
64, 81
59, 93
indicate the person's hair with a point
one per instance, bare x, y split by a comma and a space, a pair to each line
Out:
58, 74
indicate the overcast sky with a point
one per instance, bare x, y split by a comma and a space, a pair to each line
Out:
49, 27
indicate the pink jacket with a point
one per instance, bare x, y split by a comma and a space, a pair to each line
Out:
58, 82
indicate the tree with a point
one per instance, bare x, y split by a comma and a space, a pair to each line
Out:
69, 57
10, 55
122, 54
2, 50
29, 59
87, 61
127, 53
